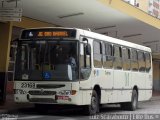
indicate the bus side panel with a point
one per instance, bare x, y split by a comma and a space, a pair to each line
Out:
106, 96
138, 79
149, 81
127, 92
86, 91
107, 86
119, 82
149, 85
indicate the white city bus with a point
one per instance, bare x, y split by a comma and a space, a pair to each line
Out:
105, 69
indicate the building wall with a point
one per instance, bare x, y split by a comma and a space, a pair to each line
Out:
156, 76
151, 7
154, 8
143, 5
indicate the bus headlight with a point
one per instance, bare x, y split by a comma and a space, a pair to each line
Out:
67, 92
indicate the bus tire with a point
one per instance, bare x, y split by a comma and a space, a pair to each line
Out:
93, 108
133, 105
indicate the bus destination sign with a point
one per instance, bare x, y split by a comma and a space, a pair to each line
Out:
48, 33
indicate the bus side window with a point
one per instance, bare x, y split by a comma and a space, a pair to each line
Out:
117, 57
126, 59
148, 61
134, 60
107, 56
141, 61
97, 51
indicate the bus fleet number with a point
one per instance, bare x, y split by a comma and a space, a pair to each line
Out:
28, 85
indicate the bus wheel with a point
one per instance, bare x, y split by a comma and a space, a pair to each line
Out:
93, 108
133, 104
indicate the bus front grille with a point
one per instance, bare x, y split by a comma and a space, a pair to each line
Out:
38, 92
42, 100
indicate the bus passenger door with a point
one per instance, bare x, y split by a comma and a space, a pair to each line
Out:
85, 72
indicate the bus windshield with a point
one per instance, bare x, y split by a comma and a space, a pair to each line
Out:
47, 60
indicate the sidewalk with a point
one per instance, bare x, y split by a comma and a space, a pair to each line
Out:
155, 96
11, 105
155, 93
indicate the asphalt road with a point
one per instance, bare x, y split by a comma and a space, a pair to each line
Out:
149, 110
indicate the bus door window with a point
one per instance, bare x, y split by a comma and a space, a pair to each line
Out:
85, 62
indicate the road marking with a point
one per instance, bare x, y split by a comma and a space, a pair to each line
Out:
30, 117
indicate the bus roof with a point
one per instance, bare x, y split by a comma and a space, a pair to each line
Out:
98, 36
113, 40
